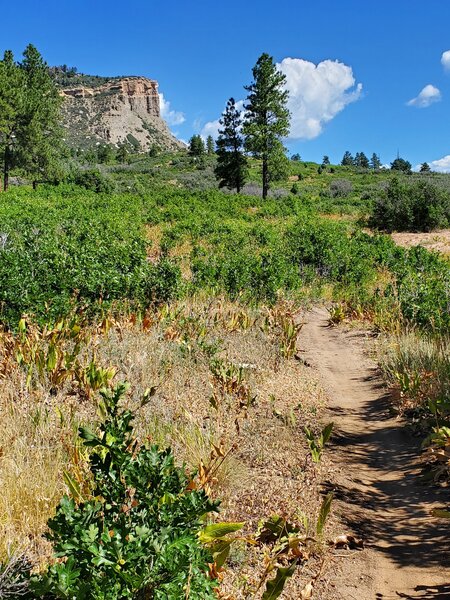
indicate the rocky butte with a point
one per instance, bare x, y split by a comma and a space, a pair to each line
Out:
123, 110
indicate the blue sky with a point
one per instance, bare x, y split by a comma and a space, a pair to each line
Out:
202, 53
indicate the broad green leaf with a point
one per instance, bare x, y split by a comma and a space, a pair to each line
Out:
326, 433
52, 357
72, 485
220, 551
441, 513
276, 585
324, 512
218, 531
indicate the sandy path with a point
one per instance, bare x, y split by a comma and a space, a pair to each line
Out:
377, 493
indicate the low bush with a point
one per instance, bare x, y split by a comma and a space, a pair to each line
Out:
95, 181
136, 536
66, 249
341, 188
411, 206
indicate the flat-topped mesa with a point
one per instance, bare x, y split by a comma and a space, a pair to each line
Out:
137, 90
121, 110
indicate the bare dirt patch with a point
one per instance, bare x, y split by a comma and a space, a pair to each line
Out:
435, 240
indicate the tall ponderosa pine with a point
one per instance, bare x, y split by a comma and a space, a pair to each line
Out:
361, 160
30, 132
231, 169
267, 119
11, 110
196, 146
375, 162
347, 159
210, 148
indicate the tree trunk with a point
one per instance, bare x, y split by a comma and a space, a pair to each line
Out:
265, 179
35, 184
6, 169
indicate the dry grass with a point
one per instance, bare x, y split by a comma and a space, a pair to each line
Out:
417, 366
32, 459
257, 420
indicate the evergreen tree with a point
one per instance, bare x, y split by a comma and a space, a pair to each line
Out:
122, 154
153, 150
400, 164
210, 147
325, 161
267, 119
375, 162
296, 157
39, 135
425, 168
347, 159
105, 154
196, 146
361, 160
231, 169
11, 111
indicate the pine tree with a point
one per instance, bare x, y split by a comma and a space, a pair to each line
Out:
347, 159
196, 146
122, 153
375, 162
325, 160
362, 160
231, 169
11, 110
425, 168
267, 119
400, 164
39, 135
210, 146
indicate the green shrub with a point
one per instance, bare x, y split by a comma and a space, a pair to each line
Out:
341, 188
417, 206
95, 181
68, 249
137, 533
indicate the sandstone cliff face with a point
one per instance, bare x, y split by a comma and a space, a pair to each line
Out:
123, 110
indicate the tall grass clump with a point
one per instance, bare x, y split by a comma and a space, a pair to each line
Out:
419, 366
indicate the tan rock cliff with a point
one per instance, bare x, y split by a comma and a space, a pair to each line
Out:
122, 110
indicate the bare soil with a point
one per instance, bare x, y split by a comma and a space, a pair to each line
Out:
378, 494
435, 240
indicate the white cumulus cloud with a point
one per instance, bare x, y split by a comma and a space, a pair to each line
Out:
442, 165
428, 95
445, 60
172, 117
317, 93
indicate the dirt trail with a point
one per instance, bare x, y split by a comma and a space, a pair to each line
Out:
377, 493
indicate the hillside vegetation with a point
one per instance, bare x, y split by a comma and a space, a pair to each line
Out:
163, 436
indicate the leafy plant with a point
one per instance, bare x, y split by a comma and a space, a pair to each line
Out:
138, 531
316, 445
290, 548
337, 314
438, 452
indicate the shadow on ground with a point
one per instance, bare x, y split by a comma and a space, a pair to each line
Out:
389, 512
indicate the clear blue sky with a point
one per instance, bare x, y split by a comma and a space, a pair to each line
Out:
202, 52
